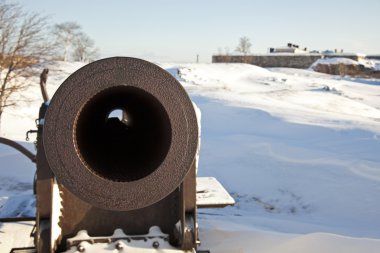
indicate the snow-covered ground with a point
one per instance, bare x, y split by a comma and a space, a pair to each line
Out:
368, 63
298, 150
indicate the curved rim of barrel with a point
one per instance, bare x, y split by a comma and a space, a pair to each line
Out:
59, 128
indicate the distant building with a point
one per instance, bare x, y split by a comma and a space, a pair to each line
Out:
289, 56
327, 51
290, 48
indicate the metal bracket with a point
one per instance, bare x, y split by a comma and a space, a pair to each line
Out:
151, 242
30, 132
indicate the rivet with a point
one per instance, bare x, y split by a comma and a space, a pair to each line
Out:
119, 246
80, 248
156, 244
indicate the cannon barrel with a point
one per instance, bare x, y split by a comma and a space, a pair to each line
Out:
120, 162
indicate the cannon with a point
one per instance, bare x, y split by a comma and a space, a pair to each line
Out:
117, 151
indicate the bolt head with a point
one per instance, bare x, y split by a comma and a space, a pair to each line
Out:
156, 245
119, 246
80, 248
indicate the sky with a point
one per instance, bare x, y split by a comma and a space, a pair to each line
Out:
178, 30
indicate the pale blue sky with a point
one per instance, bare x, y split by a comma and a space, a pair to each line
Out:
176, 30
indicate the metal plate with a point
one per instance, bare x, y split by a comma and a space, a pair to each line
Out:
16, 235
211, 194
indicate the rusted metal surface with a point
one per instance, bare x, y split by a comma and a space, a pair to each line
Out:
43, 80
131, 171
44, 191
189, 231
109, 164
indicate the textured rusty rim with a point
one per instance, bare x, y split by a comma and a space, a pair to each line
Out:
59, 131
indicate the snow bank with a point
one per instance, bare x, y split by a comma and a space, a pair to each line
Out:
344, 66
371, 63
16, 182
298, 96
222, 239
335, 60
368, 63
290, 177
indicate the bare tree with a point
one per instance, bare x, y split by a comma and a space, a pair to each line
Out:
65, 34
244, 46
23, 41
84, 49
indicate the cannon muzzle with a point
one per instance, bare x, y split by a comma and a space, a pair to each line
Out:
126, 161
116, 160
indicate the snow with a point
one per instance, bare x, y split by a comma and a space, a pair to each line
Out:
16, 234
298, 150
371, 63
23, 117
297, 97
241, 239
336, 60
368, 63
211, 193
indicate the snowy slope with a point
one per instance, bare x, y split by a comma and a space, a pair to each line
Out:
301, 160
299, 96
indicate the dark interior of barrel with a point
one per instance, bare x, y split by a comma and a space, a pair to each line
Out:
122, 133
